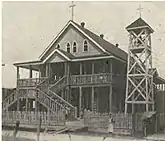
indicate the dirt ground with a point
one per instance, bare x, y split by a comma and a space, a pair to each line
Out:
5, 138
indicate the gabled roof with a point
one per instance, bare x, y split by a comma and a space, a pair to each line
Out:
64, 54
104, 45
139, 23
110, 48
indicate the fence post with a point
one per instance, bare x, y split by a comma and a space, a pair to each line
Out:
156, 124
133, 123
15, 130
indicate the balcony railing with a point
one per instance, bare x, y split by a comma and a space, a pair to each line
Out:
30, 82
101, 78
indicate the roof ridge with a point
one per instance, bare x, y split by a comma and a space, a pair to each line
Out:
112, 48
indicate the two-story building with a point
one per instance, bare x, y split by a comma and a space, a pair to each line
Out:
78, 70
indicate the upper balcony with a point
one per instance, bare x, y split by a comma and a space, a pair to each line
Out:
75, 80
30, 82
91, 79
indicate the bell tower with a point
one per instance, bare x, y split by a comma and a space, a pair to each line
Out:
139, 87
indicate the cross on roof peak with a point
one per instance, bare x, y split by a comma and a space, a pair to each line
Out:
72, 7
140, 10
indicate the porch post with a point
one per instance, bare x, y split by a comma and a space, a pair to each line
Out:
110, 89
47, 70
27, 105
80, 91
18, 75
80, 100
39, 71
18, 104
68, 81
92, 97
18, 100
30, 72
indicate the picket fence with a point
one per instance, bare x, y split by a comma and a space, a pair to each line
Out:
123, 122
32, 118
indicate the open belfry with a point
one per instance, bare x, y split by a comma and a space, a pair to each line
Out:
140, 85
80, 72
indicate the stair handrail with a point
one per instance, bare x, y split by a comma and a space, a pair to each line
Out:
45, 78
58, 81
50, 97
61, 99
9, 95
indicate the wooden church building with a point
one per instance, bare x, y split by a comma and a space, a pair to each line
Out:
78, 70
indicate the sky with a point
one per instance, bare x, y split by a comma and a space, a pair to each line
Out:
29, 27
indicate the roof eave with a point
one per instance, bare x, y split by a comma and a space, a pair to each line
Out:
19, 64
133, 28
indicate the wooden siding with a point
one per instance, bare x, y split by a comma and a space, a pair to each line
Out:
71, 35
56, 58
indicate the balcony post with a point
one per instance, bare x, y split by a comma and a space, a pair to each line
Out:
80, 92
80, 99
68, 73
92, 97
110, 89
27, 103
18, 104
30, 72
40, 71
18, 75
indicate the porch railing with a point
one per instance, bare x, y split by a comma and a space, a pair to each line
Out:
30, 82
101, 78
60, 84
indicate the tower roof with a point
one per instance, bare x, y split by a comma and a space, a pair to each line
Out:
139, 23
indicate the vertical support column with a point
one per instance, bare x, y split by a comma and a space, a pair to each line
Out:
18, 104
68, 73
30, 72
62, 93
18, 75
93, 92
80, 99
27, 104
18, 101
80, 91
47, 70
110, 88
39, 71
36, 105
48, 116
110, 98
92, 97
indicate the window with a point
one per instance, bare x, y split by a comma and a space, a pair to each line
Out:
85, 45
58, 46
68, 47
74, 47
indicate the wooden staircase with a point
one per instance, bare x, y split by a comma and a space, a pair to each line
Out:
11, 99
45, 96
49, 96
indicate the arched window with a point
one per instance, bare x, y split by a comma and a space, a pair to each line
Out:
85, 45
74, 47
58, 46
68, 47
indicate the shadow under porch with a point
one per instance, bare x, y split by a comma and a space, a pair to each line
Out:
103, 99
